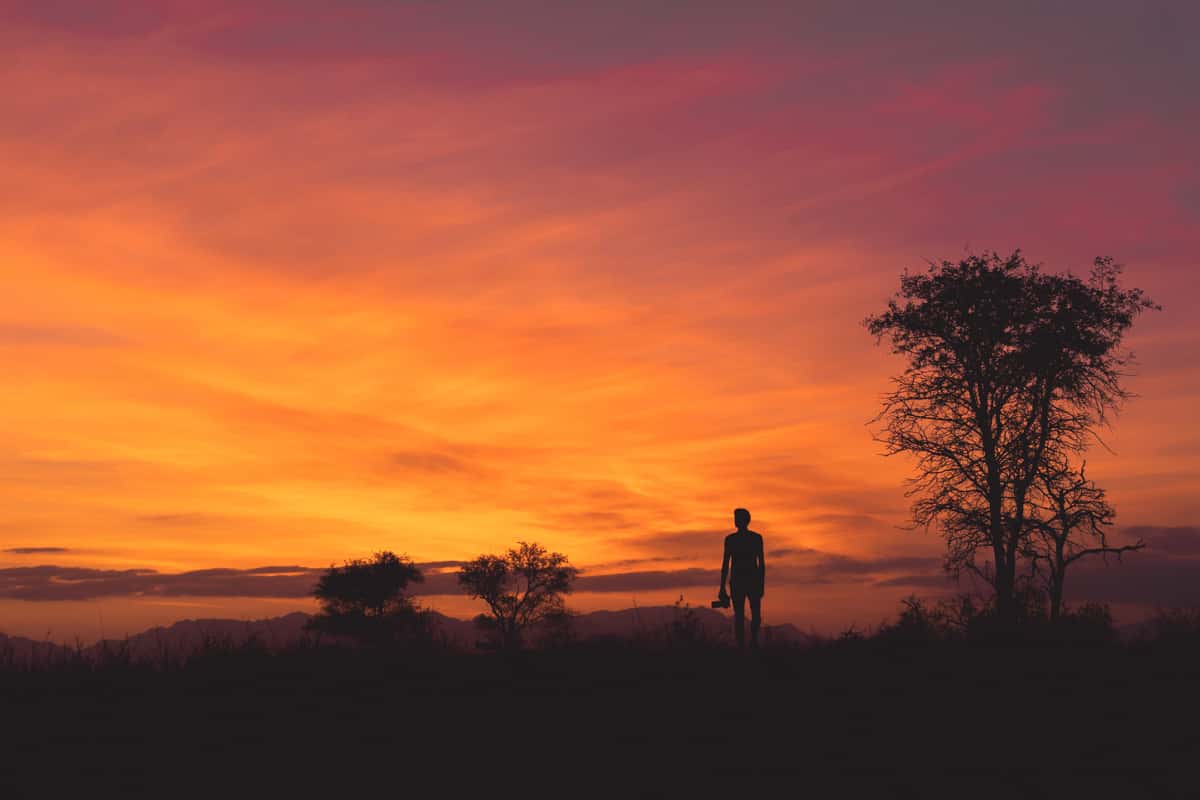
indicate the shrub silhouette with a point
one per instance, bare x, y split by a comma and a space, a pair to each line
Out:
922, 623
522, 588
366, 600
963, 618
1173, 627
1090, 623
557, 630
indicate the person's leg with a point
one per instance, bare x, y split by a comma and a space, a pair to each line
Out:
739, 618
755, 618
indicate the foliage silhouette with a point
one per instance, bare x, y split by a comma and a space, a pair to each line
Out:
522, 588
1008, 369
964, 619
557, 630
366, 600
1172, 628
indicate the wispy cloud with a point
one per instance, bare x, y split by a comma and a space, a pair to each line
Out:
1164, 575
56, 335
50, 582
25, 551
544, 281
42, 583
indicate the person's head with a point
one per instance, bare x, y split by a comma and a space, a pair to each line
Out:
741, 518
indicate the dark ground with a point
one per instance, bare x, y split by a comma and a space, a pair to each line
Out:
847, 720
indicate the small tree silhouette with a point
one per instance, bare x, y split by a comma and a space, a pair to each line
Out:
366, 600
1070, 516
522, 588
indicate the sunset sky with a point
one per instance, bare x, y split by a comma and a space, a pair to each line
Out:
286, 283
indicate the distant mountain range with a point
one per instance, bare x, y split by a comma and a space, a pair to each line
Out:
187, 636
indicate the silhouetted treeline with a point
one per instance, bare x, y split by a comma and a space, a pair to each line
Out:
887, 713
947, 623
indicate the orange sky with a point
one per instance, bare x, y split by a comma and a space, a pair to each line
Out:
290, 285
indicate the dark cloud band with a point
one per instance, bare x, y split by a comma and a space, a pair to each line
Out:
26, 551
1167, 573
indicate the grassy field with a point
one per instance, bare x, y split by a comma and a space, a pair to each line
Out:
848, 719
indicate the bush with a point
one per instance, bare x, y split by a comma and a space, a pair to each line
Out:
366, 601
1173, 627
1090, 623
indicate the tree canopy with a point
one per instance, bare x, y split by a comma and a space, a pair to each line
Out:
368, 599
521, 588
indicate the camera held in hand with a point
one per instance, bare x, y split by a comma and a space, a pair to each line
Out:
722, 601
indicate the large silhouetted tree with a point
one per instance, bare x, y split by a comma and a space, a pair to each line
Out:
1009, 369
521, 588
368, 600
1069, 517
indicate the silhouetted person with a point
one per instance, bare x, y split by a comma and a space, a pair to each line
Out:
747, 578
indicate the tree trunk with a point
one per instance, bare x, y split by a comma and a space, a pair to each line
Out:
511, 635
1003, 577
1005, 571
1056, 595
1006, 607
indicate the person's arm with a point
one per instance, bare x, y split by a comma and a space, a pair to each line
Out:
762, 567
724, 570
